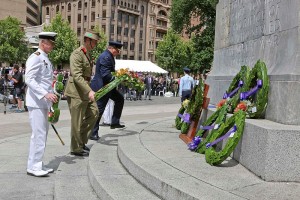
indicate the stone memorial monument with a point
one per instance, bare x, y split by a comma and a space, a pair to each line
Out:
248, 30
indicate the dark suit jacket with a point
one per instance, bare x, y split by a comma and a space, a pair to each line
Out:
146, 81
104, 66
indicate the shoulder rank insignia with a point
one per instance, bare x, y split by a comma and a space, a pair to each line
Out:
37, 53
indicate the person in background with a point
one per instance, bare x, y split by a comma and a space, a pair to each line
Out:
17, 79
80, 96
186, 85
39, 98
148, 86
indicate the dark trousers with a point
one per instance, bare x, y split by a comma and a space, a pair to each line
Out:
186, 94
118, 98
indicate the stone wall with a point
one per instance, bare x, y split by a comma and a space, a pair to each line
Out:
260, 29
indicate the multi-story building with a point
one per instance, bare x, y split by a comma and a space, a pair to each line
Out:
27, 11
138, 24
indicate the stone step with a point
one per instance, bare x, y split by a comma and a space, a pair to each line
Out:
72, 182
106, 174
139, 155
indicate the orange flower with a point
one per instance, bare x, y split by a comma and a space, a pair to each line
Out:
221, 103
241, 106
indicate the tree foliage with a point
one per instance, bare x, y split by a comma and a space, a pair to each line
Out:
202, 34
13, 47
65, 42
102, 43
172, 52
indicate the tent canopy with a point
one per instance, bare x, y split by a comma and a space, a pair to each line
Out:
139, 66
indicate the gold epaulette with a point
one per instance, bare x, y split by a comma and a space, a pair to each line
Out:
37, 53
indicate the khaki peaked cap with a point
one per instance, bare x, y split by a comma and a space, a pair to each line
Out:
92, 35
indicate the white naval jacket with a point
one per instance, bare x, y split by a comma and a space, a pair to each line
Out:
38, 78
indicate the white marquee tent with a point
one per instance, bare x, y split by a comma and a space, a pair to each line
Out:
139, 66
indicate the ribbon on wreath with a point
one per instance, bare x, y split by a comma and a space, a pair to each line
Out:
185, 117
216, 126
233, 92
228, 134
245, 95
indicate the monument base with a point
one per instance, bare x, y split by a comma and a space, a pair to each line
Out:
270, 150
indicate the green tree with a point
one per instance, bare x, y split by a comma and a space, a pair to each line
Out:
13, 47
172, 52
202, 34
101, 46
65, 42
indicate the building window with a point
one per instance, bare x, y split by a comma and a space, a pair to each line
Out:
121, 3
69, 19
85, 4
85, 18
132, 19
156, 44
92, 27
119, 30
142, 10
118, 57
119, 16
112, 29
162, 13
125, 45
78, 31
126, 32
132, 34
141, 34
126, 18
57, 8
131, 57
112, 15
69, 7
93, 16
113, 2
104, 2
93, 3
141, 47
135, 7
104, 14
128, 5
132, 46
79, 18
141, 22
124, 57
47, 11
104, 28
62, 7
125, 4
79, 5
151, 33
140, 57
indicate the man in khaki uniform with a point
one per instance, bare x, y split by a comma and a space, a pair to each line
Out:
80, 97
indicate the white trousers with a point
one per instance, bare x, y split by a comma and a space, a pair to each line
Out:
39, 126
108, 112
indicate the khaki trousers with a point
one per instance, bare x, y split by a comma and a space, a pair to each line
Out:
84, 115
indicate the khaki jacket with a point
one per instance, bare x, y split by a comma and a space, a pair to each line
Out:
80, 74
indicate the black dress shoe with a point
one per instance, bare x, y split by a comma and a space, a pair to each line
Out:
83, 153
94, 137
104, 124
113, 126
85, 148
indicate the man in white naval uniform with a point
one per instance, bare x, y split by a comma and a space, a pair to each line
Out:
39, 98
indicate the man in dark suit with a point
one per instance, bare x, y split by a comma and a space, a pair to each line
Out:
104, 66
148, 84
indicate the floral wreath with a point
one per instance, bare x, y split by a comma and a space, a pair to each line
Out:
232, 129
255, 101
217, 118
54, 112
239, 84
192, 111
178, 122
